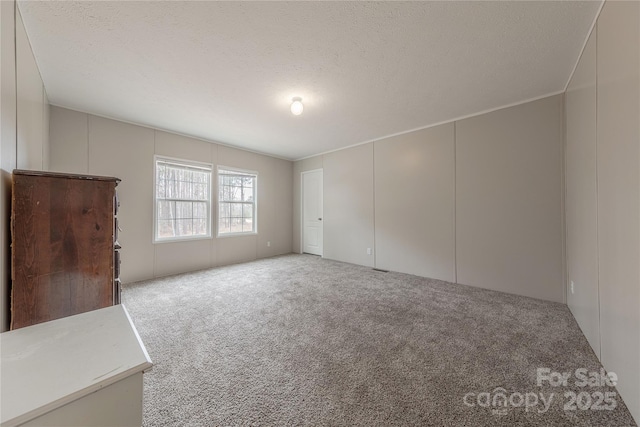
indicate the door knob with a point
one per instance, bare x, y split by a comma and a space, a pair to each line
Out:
319, 219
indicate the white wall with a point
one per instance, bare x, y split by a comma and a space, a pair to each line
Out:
32, 106
126, 151
24, 134
478, 201
581, 195
603, 194
7, 148
84, 143
509, 199
348, 209
69, 148
415, 200
618, 145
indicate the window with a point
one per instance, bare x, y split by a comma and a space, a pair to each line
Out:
236, 201
182, 200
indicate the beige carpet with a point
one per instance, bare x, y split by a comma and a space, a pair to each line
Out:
297, 340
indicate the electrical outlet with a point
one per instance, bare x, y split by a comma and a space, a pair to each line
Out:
572, 288
368, 251
268, 244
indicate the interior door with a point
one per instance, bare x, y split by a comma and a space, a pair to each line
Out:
312, 212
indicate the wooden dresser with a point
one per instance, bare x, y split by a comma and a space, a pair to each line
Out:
64, 245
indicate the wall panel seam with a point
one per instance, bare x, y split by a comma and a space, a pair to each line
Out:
153, 181
15, 70
373, 173
42, 133
88, 143
563, 198
455, 201
595, 28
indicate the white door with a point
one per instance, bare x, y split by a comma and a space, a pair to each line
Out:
312, 212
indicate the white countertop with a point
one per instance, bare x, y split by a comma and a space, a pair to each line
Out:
48, 365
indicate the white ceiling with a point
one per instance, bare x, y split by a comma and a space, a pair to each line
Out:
226, 71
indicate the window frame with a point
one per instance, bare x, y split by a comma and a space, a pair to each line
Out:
254, 174
189, 164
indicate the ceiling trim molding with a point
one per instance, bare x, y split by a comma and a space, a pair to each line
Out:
468, 116
584, 45
174, 132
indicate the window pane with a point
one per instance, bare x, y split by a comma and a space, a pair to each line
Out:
170, 185
247, 211
184, 227
184, 210
183, 199
236, 210
160, 181
200, 191
166, 209
235, 193
223, 225
236, 225
185, 184
236, 197
200, 227
166, 228
224, 210
200, 210
247, 195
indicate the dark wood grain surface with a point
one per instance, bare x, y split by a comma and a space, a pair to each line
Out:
62, 246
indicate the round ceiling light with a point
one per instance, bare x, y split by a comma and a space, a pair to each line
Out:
296, 106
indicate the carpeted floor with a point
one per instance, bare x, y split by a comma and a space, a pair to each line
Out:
298, 340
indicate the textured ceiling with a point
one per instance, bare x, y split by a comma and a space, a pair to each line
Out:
226, 71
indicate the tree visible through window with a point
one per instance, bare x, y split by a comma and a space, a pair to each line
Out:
183, 200
236, 202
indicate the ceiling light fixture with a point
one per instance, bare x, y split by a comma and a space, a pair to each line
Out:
296, 106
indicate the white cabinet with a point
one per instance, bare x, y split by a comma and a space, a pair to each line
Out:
82, 370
